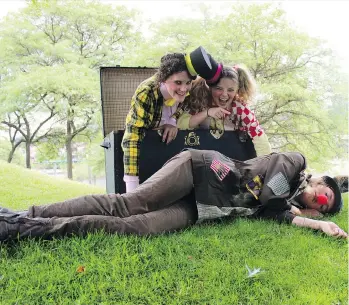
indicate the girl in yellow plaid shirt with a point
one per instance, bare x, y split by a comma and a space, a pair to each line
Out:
156, 100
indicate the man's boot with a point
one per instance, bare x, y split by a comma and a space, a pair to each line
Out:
13, 226
9, 225
5, 212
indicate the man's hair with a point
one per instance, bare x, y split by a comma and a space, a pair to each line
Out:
170, 64
342, 181
338, 201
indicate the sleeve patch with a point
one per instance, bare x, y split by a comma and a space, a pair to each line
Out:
255, 185
220, 169
279, 184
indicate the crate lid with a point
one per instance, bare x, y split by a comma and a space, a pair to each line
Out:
118, 84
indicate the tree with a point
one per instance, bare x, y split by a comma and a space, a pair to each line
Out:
290, 67
28, 109
65, 42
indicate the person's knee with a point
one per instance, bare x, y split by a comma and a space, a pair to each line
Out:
185, 154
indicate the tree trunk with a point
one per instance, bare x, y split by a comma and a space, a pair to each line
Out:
10, 155
13, 150
68, 147
27, 154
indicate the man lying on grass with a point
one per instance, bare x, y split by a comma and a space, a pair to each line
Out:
193, 186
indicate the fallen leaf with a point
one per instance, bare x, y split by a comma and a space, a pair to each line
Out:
80, 269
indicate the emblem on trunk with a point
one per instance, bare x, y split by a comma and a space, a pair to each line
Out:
192, 139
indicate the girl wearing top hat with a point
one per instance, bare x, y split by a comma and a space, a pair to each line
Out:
223, 104
156, 100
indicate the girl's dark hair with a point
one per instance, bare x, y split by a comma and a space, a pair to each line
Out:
170, 64
200, 97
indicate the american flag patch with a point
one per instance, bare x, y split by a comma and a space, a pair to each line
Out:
221, 170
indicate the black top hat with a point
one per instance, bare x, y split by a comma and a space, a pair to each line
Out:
338, 201
199, 62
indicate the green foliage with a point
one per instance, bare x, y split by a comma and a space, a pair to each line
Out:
201, 265
51, 53
95, 158
48, 151
302, 101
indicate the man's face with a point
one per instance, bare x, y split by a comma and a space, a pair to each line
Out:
178, 85
312, 191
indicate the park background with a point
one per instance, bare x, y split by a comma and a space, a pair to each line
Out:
51, 53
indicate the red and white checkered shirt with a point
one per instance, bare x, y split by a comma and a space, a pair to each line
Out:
243, 116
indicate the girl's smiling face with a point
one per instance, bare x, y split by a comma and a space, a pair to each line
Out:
178, 85
224, 92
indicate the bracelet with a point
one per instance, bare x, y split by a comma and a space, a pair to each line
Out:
207, 112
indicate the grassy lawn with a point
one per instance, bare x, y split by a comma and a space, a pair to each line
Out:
202, 265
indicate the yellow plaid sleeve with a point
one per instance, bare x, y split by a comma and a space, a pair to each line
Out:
184, 120
138, 120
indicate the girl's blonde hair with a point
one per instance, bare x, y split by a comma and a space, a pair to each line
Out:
247, 84
200, 96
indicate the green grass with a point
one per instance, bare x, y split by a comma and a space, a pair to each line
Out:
20, 188
202, 265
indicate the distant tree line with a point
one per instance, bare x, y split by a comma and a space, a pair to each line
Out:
51, 52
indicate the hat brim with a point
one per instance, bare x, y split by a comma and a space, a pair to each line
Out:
216, 77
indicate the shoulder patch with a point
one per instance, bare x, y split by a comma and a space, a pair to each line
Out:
255, 185
279, 184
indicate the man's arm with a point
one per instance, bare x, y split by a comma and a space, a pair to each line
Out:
280, 216
328, 227
282, 171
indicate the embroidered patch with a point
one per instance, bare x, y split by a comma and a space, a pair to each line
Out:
220, 169
278, 184
255, 185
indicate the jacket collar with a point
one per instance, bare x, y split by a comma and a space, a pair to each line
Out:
303, 182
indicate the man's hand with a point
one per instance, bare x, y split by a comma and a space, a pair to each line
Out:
328, 227
169, 132
295, 211
331, 229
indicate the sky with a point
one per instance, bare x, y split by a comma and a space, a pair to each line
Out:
328, 20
